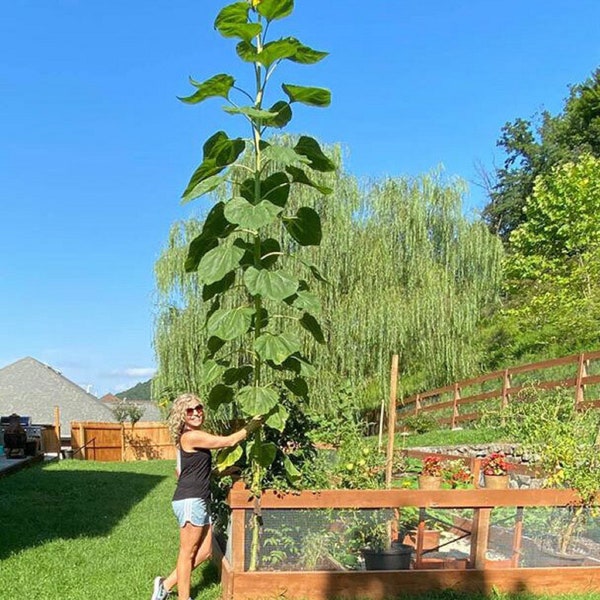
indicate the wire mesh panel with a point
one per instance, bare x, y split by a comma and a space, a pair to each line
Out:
333, 539
318, 539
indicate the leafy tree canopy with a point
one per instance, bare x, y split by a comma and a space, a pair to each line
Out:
553, 270
534, 146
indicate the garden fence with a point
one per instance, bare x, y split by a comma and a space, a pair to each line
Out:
458, 402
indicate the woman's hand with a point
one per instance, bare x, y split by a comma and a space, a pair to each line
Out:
254, 424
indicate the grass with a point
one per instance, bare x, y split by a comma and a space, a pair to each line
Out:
79, 530
447, 437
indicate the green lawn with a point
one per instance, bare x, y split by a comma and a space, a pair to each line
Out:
447, 437
75, 530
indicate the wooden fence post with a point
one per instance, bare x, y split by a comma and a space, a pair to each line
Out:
82, 441
57, 430
581, 373
455, 405
506, 383
391, 421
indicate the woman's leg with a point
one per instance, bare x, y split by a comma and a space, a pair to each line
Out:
190, 537
205, 547
203, 553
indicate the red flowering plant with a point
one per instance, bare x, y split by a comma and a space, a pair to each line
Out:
457, 474
432, 466
495, 464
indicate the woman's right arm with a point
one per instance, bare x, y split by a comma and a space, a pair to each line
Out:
208, 441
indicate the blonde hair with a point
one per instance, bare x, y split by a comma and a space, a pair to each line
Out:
176, 418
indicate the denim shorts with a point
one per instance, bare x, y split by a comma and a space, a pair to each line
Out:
192, 510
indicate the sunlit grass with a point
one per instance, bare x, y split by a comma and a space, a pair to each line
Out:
78, 530
447, 437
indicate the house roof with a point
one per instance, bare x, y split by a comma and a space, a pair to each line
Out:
31, 388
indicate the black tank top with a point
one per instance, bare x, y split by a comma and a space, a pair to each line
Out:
194, 475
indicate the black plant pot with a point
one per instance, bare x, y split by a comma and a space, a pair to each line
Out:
396, 558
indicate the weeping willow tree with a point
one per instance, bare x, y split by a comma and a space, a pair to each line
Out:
408, 273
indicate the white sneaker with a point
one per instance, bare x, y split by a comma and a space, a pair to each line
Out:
159, 592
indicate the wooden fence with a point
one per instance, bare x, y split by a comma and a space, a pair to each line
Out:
453, 404
477, 574
145, 440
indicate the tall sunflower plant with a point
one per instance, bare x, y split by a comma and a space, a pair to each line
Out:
254, 347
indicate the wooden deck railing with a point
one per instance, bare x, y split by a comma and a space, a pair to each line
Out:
502, 387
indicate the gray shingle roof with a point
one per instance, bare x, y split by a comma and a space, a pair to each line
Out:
31, 388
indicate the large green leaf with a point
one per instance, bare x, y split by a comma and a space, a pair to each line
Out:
311, 325
276, 50
277, 418
232, 21
297, 386
219, 152
218, 287
215, 223
238, 210
247, 51
277, 347
262, 452
312, 96
219, 85
304, 54
204, 187
235, 375
218, 395
210, 371
282, 155
254, 113
256, 401
283, 112
309, 148
291, 472
300, 365
275, 285
219, 261
270, 250
305, 227
198, 247
275, 9
305, 300
299, 176
213, 345
276, 188
227, 457
229, 323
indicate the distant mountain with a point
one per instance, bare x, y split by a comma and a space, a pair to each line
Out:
140, 391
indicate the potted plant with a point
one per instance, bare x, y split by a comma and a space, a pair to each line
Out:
457, 474
373, 540
430, 477
495, 469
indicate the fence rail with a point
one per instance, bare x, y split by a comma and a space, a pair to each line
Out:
454, 397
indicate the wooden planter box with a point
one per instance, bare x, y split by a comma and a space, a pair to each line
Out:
475, 575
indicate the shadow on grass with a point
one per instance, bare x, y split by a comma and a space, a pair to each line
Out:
209, 576
39, 505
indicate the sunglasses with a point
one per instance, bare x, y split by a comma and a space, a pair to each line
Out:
194, 409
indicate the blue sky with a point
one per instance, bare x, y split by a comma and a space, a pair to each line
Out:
95, 149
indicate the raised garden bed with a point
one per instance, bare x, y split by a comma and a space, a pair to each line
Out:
477, 572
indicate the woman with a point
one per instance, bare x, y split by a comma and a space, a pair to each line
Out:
192, 494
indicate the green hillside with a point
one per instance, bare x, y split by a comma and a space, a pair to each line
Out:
140, 391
